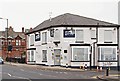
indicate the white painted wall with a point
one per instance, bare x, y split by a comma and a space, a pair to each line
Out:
65, 45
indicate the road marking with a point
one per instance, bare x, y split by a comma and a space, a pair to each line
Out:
57, 72
9, 74
65, 73
47, 75
21, 69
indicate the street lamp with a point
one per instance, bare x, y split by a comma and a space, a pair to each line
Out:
7, 33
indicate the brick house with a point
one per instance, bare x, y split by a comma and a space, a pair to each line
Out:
16, 39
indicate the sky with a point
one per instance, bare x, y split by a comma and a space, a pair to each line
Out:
30, 13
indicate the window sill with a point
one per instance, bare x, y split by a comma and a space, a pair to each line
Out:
107, 42
93, 38
80, 61
32, 45
44, 43
107, 61
44, 61
79, 41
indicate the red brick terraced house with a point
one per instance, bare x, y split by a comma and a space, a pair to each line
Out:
15, 39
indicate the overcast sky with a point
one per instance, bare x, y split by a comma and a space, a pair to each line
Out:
30, 13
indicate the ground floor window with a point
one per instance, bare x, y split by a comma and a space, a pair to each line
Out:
28, 56
44, 55
32, 55
80, 54
107, 53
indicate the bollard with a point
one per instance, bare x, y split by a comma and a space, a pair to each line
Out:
66, 65
85, 67
101, 68
97, 68
107, 72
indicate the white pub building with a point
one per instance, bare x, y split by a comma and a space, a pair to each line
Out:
74, 41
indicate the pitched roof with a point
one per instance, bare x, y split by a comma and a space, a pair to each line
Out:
11, 34
69, 19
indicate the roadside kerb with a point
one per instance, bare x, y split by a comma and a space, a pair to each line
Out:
54, 68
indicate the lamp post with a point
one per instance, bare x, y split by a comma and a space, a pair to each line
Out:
7, 33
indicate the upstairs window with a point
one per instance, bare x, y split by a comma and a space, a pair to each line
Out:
31, 40
79, 36
57, 35
108, 36
18, 42
44, 37
93, 34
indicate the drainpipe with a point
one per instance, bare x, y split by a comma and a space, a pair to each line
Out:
94, 53
118, 64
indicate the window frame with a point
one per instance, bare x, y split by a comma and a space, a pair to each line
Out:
93, 36
44, 56
106, 39
79, 47
100, 54
82, 33
44, 37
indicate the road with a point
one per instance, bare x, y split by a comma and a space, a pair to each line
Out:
31, 73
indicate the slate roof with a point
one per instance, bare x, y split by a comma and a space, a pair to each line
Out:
69, 19
11, 34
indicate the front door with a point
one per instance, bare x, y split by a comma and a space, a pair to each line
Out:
57, 55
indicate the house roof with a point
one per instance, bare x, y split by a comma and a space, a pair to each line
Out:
68, 19
11, 34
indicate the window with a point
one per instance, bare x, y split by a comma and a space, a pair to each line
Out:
44, 37
32, 55
17, 42
108, 36
65, 51
32, 40
107, 54
93, 34
44, 55
57, 35
9, 42
79, 36
28, 56
69, 33
80, 54
2, 42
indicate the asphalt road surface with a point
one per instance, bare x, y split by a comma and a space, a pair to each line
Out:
14, 73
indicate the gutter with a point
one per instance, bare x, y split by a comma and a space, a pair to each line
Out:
85, 26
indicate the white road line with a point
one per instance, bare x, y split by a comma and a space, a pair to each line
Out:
21, 69
9, 74
57, 72
65, 73
47, 75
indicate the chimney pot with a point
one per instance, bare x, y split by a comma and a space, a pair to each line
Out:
22, 29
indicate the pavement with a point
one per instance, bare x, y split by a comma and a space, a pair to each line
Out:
113, 75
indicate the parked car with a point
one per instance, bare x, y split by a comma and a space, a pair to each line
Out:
1, 60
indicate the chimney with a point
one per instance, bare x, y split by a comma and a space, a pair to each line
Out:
30, 29
22, 29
